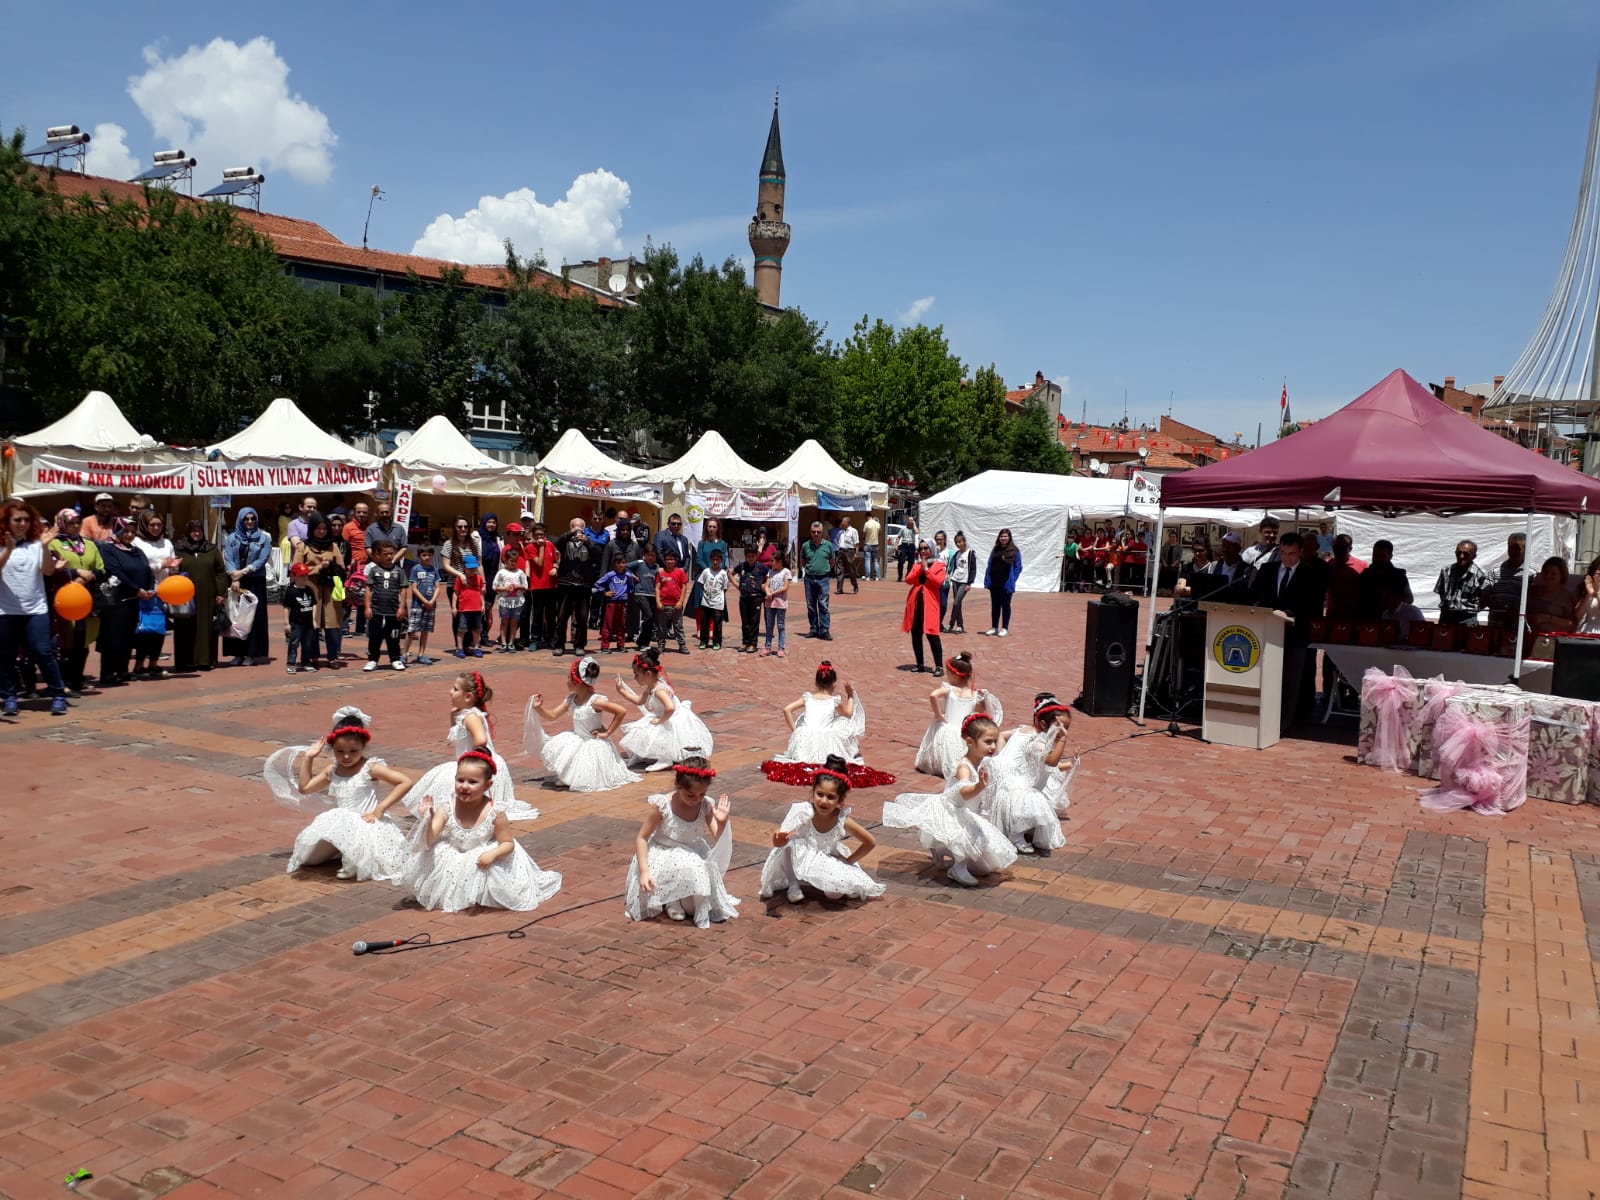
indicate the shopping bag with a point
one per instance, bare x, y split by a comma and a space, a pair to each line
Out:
152, 617
241, 614
337, 595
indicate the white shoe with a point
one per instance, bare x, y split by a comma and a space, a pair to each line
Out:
1005, 633
346, 873
1023, 846
959, 874
371, 666
399, 666
987, 633
675, 911
796, 896
659, 767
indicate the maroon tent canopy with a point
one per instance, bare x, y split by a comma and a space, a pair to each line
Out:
1394, 449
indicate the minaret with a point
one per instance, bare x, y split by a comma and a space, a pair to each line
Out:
769, 233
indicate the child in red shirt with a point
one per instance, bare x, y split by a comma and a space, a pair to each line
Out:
469, 608
672, 589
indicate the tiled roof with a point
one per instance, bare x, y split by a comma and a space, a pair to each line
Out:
307, 242
1161, 460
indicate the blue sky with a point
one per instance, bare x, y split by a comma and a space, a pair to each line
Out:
1181, 200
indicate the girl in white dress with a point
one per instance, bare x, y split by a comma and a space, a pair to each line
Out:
469, 730
682, 851
952, 703
807, 846
1024, 808
829, 721
462, 851
583, 760
367, 846
950, 822
669, 728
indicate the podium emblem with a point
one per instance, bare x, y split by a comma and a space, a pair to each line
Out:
1236, 649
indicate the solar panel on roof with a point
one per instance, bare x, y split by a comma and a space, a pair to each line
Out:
160, 172
230, 187
47, 148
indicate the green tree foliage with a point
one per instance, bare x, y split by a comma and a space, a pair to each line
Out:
902, 407
706, 355
340, 362
1033, 444
437, 336
557, 360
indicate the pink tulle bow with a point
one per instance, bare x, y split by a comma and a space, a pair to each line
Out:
1479, 766
1388, 695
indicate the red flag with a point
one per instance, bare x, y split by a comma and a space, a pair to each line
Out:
1119, 441
1283, 400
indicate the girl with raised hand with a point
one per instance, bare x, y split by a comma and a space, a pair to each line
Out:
336, 770
952, 702
1025, 806
807, 846
682, 852
951, 823
828, 721
669, 728
470, 730
584, 759
462, 852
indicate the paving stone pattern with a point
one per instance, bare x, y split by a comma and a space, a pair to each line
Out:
1246, 975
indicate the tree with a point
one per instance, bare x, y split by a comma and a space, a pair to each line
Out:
706, 355
901, 405
1033, 444
176, 309
557, 360
341, 358
437, 336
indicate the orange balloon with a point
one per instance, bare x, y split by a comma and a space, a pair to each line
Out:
73, 601
176, 589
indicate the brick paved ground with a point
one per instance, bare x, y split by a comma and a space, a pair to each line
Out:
1246, 975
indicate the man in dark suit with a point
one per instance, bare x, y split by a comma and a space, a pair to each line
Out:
1297, 586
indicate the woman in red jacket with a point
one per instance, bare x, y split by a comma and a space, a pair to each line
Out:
538, 557
926, 580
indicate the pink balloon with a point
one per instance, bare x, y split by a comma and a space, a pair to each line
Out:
439, 482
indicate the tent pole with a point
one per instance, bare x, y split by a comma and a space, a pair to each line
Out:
1522, 606
1150, 578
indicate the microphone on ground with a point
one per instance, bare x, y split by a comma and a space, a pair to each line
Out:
368, 947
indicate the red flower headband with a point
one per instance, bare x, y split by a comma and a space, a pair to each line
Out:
482, 756
696, 772
644, 664
572, 671
477, 687
360, 731
971, 717
951, 666
841, 776
1050, 706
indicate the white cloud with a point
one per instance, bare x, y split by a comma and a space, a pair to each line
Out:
109, 156
919, 309
1064, 382
230, 106
584, 223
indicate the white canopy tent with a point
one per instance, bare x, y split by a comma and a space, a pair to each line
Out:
712, 463
816, 475
1039, 509
283, 450
575, 466
95, 448
439, 449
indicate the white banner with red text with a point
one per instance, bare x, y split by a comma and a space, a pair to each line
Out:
570, 485
247, 477
51, 472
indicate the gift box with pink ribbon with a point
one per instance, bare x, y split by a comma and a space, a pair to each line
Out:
1389, 707
1481, 746
1425, 721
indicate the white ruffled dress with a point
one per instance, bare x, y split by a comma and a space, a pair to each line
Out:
581, 760
950, 825
1022, 808
683, 733
941, 747
812, 857
372, 850
440, 782
445, 876
822, 730
685, 866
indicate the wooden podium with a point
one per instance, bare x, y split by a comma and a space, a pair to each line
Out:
1244, 675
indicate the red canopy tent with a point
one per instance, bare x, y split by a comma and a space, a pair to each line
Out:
1394, 449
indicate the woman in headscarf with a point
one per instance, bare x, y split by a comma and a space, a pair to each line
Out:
194, 641
1000, 577
152, 539
489, 555
136, 583
324, 559
244, 558
81, 561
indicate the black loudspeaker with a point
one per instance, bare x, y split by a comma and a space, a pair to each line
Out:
1110, 645
1577, 671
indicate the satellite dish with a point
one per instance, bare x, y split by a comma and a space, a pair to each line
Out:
1094, 465
642, 279
401, 438
618, 283
1144, 451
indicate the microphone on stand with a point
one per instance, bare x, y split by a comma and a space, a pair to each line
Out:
360, 948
